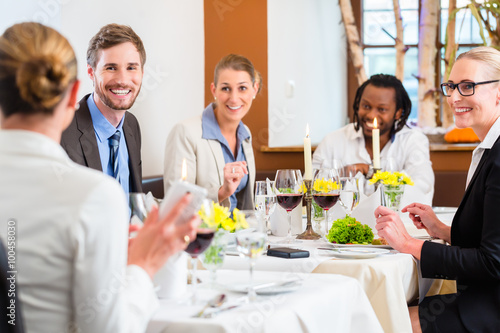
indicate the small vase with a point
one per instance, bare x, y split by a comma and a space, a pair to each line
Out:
213, 257
318, 219
392, 195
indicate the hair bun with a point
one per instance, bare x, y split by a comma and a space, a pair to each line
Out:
42, 81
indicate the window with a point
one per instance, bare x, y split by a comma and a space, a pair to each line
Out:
379, 30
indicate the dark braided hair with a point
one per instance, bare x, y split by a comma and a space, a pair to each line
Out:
403, 101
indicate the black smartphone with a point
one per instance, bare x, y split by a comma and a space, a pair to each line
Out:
286, 252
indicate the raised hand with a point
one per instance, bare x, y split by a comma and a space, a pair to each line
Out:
233, 173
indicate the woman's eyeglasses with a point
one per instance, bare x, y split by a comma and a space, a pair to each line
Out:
464, 88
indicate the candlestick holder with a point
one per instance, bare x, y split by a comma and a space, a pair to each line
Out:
309, 232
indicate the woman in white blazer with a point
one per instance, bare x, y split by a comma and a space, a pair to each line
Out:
76, 270
217, 145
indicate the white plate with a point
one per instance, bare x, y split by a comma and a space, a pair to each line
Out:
243, 288
371, 246
355, 252
444, 210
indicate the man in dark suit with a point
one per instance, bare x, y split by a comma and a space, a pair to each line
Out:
103, 134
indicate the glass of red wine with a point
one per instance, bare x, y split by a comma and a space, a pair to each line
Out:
289, 190
326, 190
204, 236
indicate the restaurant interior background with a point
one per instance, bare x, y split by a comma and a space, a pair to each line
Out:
299, 47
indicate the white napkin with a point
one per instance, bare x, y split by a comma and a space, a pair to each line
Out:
364, 211
279, 221
151, 201
172, 277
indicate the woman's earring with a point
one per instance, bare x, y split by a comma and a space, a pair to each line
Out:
254, 97
215, 98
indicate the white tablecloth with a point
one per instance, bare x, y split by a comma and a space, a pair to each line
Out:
323, 303
389, 280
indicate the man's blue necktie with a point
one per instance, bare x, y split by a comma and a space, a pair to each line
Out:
114, 142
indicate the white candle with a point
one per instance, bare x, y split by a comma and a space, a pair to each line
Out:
376, 145
184, 170
307, 156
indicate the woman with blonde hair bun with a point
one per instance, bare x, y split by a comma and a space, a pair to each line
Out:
69, 224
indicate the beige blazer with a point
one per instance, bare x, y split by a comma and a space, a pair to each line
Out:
205, 161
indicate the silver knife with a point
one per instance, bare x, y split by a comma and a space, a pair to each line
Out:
216, 312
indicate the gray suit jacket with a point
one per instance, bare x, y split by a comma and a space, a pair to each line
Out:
80, 143
205, 162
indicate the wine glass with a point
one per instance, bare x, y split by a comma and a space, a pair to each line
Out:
349, 193
265, 200
289, 190
204, 235
138, 210
325, 190
250, 244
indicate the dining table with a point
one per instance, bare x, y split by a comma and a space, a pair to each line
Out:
312, 303
391, 280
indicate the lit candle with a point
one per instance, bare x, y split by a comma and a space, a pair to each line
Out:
376, 145
184, 170
307, 156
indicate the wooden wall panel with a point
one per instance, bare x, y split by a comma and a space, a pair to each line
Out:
240, 26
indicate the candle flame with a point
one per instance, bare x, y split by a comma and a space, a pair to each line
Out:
307, 130
374, 122
184, 170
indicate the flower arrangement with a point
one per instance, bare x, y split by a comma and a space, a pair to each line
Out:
222, 218
392, 186
325, 186
391, 178
222, 222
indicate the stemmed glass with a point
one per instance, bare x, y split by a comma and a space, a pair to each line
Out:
250, 244
265, 200
138, 209
349, 193
325, 190
204, 236
289, 190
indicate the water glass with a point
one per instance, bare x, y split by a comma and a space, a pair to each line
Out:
250, 244
265, 200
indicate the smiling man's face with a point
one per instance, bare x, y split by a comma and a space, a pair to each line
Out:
117, 77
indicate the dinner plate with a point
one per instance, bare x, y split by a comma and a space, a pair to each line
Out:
444, 210
371, 246
355, 252
272, 290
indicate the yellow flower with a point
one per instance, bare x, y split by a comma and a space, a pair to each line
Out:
239, 220
391, 178
221, 218
324, 186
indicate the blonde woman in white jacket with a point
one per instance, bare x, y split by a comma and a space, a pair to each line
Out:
217, 145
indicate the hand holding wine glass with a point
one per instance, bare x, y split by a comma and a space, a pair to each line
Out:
265, 200
251, 243
288, 188
325, 190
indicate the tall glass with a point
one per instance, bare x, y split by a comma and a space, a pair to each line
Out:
204, 236
265, 200
138, 210
349, 194
326, 190
289, 191
250, 244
